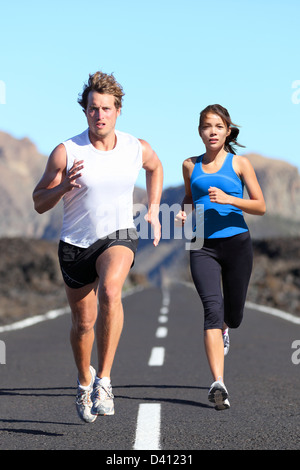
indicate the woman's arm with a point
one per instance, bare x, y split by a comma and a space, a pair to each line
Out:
255, 204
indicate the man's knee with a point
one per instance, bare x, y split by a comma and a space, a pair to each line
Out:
110, 293
82, 324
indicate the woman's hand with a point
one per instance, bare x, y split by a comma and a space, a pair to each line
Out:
180, 219
217, 195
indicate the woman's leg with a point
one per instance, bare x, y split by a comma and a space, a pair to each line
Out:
236, 273
206, 274
214, 348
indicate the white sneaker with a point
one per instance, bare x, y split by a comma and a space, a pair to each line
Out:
226, 341
223, 406
103, 399
218, 394
84, 401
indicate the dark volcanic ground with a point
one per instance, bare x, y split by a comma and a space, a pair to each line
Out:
31, 283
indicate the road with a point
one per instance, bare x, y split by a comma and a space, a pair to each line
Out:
160, 381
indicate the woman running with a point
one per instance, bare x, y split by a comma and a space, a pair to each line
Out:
216, 180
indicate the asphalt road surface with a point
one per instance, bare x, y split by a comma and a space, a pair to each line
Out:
160, 381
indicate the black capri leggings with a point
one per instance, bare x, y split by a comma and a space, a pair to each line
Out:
230, 258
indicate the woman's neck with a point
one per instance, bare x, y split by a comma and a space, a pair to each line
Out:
214, 155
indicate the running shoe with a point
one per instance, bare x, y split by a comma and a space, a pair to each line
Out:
218, 395
84, 400
223, 406
103, 399
226, 341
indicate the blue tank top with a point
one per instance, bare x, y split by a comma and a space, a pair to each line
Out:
220, 220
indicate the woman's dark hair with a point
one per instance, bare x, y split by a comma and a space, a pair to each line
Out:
231, 140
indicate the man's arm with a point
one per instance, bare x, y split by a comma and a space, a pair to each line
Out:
54, 182
154, 184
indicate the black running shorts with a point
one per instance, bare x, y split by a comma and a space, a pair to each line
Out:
78, 265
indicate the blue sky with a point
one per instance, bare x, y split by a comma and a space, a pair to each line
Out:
172, 57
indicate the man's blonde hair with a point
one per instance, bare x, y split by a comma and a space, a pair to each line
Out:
102, 83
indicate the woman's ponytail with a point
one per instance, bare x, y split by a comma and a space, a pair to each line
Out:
231, 140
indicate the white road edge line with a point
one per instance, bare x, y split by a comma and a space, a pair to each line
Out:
157, 356
262, 308
275, 312
19, 325
148, 427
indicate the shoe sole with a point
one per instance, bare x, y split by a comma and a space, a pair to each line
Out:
223, 406
85, 420
103, 413
218, 395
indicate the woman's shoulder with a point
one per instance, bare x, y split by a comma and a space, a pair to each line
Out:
241, 164
242, 161
188, 166
190, 161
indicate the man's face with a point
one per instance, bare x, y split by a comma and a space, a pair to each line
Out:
101, 114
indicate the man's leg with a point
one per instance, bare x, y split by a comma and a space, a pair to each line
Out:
112, 267
83, 303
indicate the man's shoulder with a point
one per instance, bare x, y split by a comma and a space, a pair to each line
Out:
78, 139
127, 139
125, 135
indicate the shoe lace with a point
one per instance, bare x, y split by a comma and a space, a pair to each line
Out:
102, 393
83, 397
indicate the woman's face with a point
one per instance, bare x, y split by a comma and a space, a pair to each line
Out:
213, 131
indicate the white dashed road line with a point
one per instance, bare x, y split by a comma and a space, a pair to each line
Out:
149, 415
148, 427
157, 356
161, 332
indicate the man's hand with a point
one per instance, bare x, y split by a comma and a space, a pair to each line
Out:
73, 174
153, 219
55, 182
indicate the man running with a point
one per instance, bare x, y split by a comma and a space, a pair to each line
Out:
95, 173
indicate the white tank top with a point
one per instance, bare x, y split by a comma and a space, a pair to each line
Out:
104, 203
